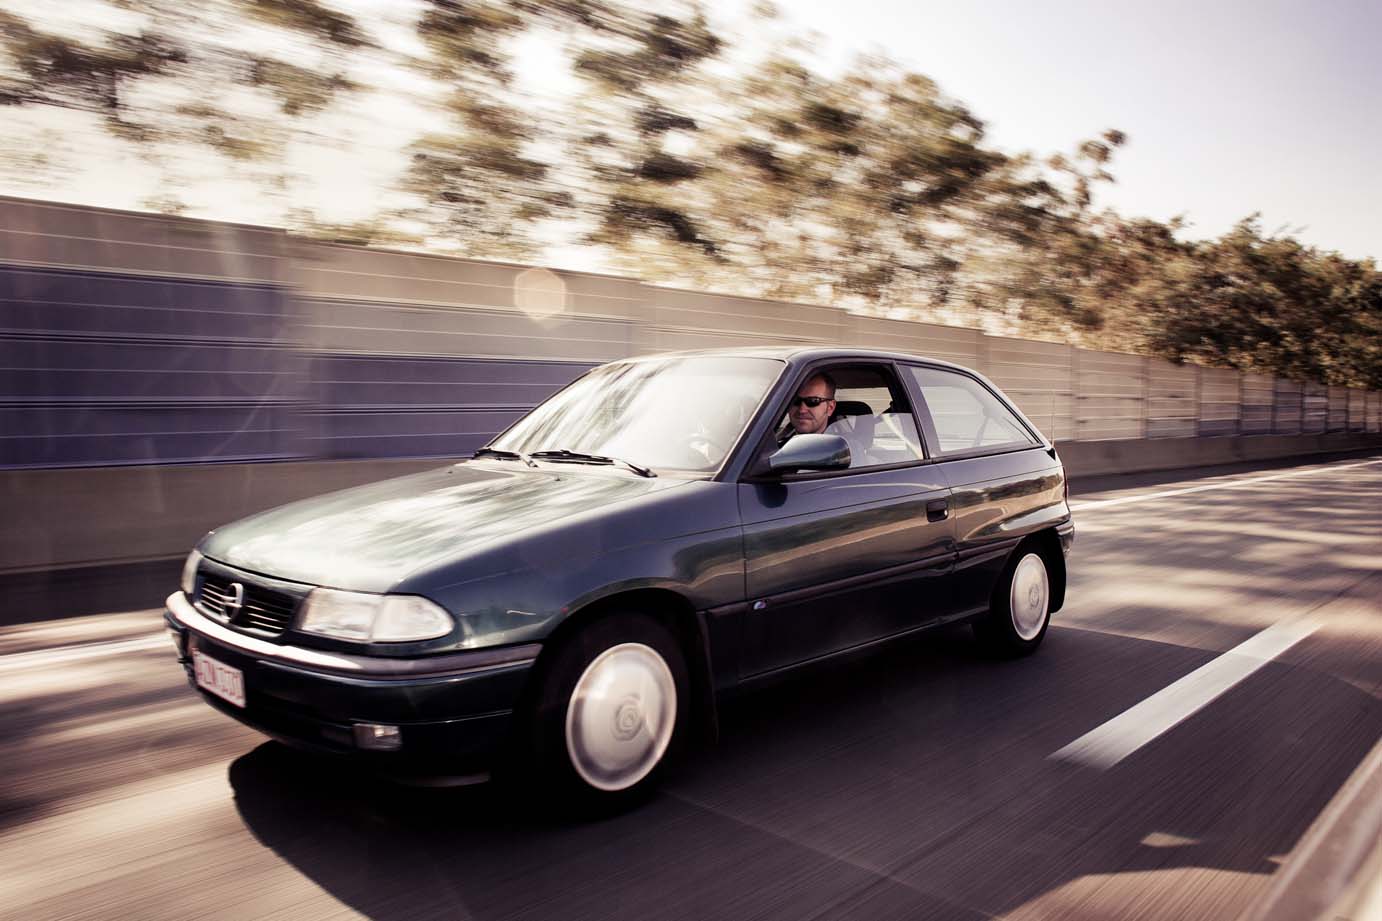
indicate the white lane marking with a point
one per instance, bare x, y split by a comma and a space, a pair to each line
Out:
39, 657
1106, 745
1147, 497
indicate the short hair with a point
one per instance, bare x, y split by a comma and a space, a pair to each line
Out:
824, 376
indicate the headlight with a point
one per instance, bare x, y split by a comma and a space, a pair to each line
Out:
373, 618
189, 573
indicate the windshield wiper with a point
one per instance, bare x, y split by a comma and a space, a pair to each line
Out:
506, 455
578, 457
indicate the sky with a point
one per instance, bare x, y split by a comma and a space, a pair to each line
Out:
1231, 107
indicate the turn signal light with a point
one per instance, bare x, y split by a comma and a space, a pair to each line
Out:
379, 737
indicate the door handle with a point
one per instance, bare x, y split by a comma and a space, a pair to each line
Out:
937, 509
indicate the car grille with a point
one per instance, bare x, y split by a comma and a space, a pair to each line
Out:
262, 609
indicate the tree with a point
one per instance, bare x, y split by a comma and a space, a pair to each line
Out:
1273, 305
498, 172
241, 78
685, 159
848, 190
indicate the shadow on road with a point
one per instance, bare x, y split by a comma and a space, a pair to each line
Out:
913, 783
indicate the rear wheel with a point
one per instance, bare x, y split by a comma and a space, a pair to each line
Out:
1020, 608
611, 711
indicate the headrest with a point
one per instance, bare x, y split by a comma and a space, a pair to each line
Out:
852, 408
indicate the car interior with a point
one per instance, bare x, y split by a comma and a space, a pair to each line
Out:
872, 414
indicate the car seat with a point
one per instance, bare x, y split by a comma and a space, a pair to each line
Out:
855, 422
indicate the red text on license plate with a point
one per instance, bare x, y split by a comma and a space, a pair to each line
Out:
220, 679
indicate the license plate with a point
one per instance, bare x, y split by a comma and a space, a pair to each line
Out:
220, 679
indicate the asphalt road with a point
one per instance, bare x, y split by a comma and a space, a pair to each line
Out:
917, 782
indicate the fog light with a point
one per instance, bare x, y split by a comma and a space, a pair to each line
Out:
379, 737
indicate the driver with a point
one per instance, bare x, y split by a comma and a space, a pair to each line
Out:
811, 408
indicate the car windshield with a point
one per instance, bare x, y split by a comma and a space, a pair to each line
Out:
681, 413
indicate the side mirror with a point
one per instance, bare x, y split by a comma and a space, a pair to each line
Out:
810, 452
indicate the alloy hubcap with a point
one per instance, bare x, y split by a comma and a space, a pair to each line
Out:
1030, 596
621, 715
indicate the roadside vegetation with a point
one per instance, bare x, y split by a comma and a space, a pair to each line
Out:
685, 155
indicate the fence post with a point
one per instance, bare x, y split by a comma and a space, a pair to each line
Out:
1146, 395
1075, 389
1199, 401
1070, 390
1238, 422
981, 353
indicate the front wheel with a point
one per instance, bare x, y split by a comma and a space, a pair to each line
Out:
1020, 609
612, 711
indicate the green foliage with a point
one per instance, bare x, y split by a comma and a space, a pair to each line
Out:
1274, 305
682, 163
299, 91
155, 84
61, 71
309, 18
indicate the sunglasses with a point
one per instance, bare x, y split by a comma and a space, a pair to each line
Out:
812, 402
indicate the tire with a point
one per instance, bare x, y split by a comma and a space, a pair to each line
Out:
1020, 608
611, 713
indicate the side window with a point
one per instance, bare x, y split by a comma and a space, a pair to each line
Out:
966, 414
869, 410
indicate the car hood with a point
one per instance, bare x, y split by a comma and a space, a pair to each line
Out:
370, 537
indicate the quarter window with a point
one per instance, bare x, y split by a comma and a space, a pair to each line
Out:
967, 416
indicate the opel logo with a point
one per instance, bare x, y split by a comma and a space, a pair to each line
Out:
235, 600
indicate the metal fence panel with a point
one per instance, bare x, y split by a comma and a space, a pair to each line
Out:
134, 338
1219, 410
1338, 409
1109, 395
1289, 399
1315, 416
754, 320
423, 380
344, 272
415, 406
953, 343
1357, 410
1257, 404
673, 320
1172, 400
104, 368
1038, 377
100, 240
387, 328
115, 434
929, 340
657, 339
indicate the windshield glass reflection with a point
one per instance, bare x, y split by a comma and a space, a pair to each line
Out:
682, 413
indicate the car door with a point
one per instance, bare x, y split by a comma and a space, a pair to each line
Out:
841, 558
1005, 481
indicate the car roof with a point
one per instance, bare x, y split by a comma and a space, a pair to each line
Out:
801, 354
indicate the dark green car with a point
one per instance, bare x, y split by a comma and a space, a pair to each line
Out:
664, 529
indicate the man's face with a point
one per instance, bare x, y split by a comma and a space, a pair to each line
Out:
807, 419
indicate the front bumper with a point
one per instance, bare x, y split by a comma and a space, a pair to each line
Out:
454, 711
